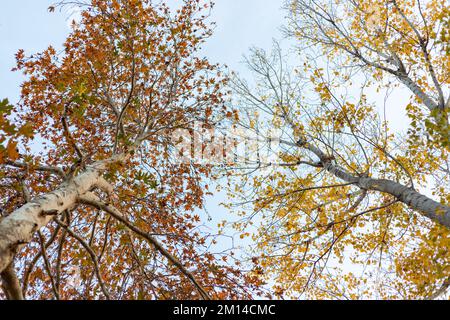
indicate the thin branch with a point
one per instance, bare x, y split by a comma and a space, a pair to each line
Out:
441, 291
11, 284
69, 136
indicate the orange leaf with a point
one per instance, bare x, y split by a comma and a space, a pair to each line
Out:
11, 150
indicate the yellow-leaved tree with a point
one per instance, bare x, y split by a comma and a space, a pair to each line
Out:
348, 207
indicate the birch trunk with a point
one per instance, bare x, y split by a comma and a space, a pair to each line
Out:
18, 228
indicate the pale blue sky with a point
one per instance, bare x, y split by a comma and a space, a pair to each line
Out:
26, 24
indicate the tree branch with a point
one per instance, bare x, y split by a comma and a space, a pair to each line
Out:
92, 200
92, 255
11, 284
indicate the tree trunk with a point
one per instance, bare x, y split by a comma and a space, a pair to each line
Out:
18, 228
430, 208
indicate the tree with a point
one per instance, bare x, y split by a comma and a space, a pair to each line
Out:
93, 203
344, 189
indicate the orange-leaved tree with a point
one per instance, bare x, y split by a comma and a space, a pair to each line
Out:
347, 206
93, 201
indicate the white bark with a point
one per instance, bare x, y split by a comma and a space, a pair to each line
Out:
18, 228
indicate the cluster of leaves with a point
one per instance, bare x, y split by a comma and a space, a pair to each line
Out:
10, 132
